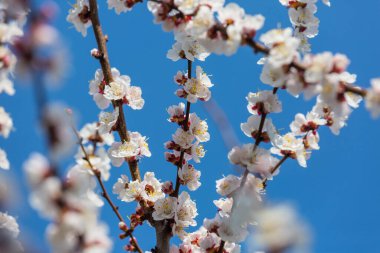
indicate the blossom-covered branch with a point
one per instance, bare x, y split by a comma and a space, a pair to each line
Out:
98, 175
102, 55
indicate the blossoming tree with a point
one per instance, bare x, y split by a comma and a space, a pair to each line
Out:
200, 28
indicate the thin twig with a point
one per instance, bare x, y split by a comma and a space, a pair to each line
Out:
104, 193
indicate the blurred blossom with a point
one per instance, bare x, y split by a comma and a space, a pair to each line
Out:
41, 50
279, 229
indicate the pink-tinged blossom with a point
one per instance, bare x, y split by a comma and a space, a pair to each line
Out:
263, 102
176, 113
79, 16
310, 123
291, 146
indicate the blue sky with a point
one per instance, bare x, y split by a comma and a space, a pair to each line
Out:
338, 194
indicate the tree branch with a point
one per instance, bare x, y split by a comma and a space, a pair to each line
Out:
106, 68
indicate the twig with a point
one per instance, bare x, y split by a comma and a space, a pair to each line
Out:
274, 169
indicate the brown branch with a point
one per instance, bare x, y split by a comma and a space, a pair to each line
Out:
186, 128
106, 68
356, 90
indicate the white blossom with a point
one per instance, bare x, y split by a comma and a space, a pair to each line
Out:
227, 185
199, 128
198, 87
164, 208
107, 121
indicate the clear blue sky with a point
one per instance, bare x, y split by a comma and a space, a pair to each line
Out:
339, 192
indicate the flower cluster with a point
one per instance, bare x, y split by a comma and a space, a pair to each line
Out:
119, 89
12, 19
323, 75
193, 89
186, 143
71, 204
302, 16
186, 47
218, 28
